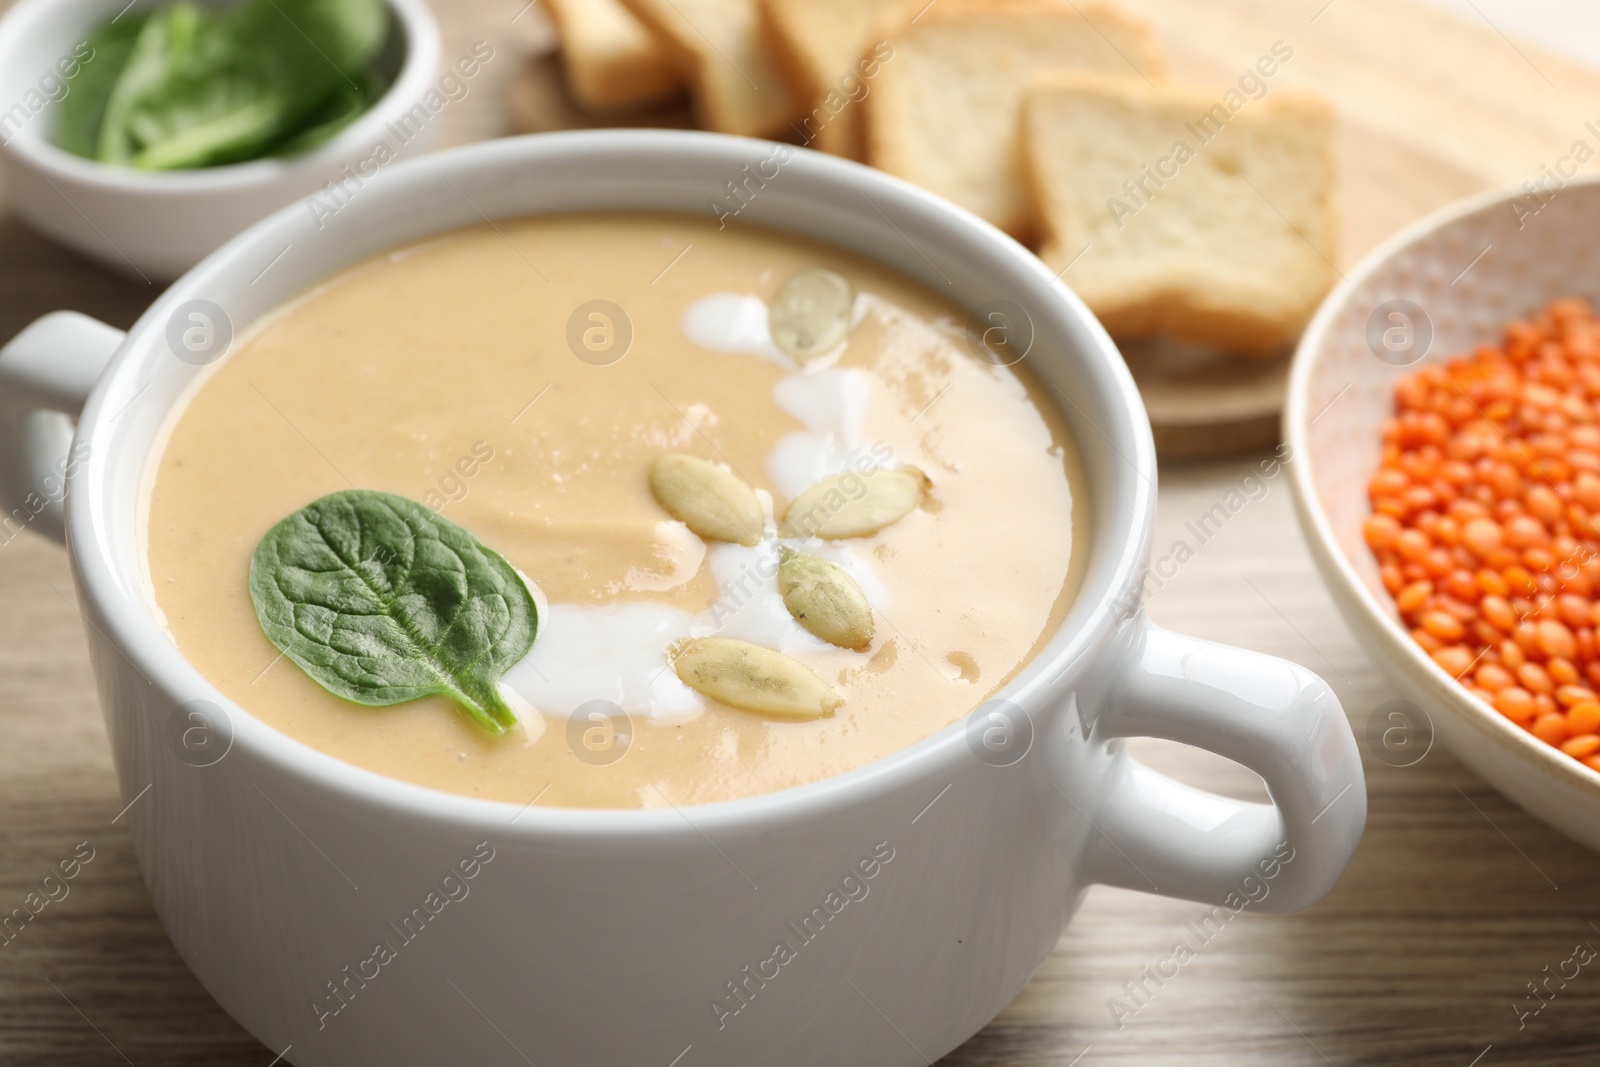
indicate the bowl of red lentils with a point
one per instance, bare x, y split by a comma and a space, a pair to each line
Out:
1444, 420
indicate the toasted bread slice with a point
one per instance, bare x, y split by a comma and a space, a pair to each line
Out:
1179, 216
539, 102
736, 84
944, 112
613, 63
830, 51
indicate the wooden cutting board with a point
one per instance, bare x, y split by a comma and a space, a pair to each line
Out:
1432, 106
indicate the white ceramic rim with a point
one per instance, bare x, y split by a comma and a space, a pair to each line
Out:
417, 70
1402, 650
1113, 566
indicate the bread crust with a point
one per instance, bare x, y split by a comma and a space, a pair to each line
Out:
817, 44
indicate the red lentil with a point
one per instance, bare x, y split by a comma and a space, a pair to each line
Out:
1515, 703
1493, 677
1584, 718
1582, 745
1535, 679
1564, 673
1484, 523
1551, 727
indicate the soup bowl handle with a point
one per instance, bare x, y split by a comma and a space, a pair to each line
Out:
1275, 718
46, 373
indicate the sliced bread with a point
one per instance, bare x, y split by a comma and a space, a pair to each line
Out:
736, 84
612, 62
825, 49
944, 112
1173, 214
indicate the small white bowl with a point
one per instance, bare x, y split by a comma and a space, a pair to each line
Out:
1469, 269
159, 224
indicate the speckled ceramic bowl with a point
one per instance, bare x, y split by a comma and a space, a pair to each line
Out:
1431, 292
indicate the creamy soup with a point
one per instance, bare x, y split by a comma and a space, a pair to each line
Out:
474, 374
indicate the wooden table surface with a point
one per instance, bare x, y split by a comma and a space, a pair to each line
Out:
1422, 955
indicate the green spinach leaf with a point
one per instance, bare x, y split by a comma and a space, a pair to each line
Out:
337, 112
382, 601
79, 113
344, 34
202, 87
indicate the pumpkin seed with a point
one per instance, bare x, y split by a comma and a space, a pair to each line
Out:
824, 599
713, 502
839, 507
810, 313
751, 677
